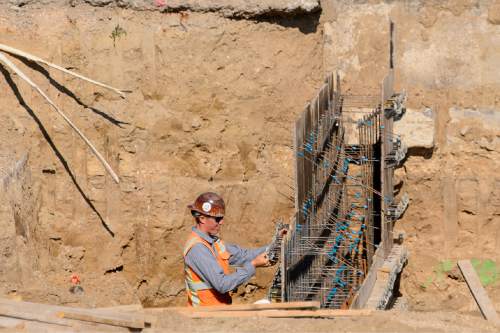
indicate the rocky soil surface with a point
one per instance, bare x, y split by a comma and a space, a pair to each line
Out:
227, 8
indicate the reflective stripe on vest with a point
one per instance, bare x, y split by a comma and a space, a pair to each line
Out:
198, 291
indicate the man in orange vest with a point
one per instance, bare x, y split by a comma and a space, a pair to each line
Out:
207, 258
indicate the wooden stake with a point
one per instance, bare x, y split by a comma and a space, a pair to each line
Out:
15, 69
23, 54
483, 301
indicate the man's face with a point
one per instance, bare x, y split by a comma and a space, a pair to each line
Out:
211, 225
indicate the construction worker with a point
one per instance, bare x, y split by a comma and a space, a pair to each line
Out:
207, 258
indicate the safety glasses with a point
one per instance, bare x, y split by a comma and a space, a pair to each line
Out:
218, 218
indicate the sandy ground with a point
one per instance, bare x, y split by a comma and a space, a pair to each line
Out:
387, 321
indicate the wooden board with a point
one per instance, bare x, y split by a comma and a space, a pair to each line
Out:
148, 319
23, 325
483, 301
20, 325
124, 308
366, 288
61, 315
130, 320
386, 185
29, 313
261, 307
242, 307
281, 314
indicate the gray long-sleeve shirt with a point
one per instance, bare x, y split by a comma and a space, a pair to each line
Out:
202, 261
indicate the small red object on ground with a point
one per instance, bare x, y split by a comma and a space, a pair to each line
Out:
75, 279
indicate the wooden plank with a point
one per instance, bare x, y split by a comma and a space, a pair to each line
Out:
148, 320
242, 307
387, 188
14, 325
483, 301
30, 314
124, 308
366, 288
131, 320
281, 314
52, 314
259, 307
24, 325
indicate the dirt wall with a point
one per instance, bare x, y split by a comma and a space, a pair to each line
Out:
17, 218
211, 109
446, 60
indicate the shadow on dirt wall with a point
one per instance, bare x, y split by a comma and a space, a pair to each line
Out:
306, 24
52, 145
33, 65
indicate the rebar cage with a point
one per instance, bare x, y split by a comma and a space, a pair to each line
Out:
343, 195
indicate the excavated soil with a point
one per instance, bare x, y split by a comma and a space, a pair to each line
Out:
214, 96
211, 108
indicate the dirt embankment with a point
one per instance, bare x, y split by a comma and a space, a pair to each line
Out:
211, 109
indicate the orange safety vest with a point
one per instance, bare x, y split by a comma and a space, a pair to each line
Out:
199, 292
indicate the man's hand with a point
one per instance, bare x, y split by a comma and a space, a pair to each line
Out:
261, 260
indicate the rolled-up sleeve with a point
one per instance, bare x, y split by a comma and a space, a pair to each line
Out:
201, 260
239, 255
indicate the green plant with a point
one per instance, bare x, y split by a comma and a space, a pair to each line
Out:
486, 270
117, 33
439, 273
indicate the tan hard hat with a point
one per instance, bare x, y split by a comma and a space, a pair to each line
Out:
210, 204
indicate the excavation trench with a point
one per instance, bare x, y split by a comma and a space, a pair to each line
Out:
212, 106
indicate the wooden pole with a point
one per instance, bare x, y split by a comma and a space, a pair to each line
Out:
23, 76
26, 55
